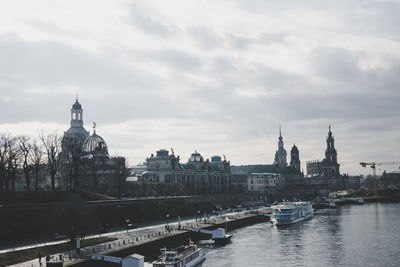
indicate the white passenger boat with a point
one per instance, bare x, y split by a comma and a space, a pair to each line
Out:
220, 237
183, 256
291, 212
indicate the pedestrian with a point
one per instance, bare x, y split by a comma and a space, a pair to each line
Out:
40, 259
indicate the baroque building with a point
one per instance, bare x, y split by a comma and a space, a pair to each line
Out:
279, 165
280, 154
85, 164
196, 176
329, 166
295, 158
76, 134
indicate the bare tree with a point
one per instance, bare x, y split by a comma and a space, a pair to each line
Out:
13, 158
3, 161
25, 150
72, 159
52, 146
37, 160
96, 164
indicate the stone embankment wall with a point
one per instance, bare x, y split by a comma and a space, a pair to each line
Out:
152, 248
26, 220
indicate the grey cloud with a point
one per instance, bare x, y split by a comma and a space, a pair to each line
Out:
341, 68
378, 18
242, 43
50, 66
274, 7
178, 59
58, 64
148, 23
362, 104
335, 63
206, 38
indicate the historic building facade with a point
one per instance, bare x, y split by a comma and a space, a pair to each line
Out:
295, 159
280, 154
264, 182
329, 166
196, 176
85, 164
280, 164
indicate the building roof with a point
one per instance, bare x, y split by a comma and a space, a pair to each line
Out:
95, 145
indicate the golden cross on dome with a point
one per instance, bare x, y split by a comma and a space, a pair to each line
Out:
94, 126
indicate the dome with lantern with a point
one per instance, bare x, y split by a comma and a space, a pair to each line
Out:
196, 157
95, 145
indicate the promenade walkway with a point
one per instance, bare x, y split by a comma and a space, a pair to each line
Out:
127, 239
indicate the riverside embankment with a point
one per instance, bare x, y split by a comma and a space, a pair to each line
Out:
35, 220
151, 248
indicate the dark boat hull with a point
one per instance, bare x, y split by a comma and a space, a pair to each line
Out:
222, 241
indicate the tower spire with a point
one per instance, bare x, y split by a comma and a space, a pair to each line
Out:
280, 132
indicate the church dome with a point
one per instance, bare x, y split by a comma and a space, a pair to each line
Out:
74, 136
95, 145
78, 132
196, 157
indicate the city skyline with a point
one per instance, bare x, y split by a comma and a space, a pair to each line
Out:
158, 75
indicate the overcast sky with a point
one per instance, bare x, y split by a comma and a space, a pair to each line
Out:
213, 76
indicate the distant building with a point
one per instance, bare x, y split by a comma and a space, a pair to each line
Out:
85, 162
354, 182
390, 180
264, 182
280, 154
238, 183
279, 165
329, 166
196, 176
295, 159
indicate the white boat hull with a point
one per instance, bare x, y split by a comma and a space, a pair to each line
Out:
196, 261
275, 222
291, 213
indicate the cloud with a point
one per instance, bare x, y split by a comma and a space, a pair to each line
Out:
206, 38
142, 19
157, 74
178, 59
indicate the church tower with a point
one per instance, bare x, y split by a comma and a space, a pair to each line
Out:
76, 134
76, 114
295, 158
330, 164
280, 154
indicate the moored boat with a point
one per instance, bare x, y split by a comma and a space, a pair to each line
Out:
291, 212
220, 237
183, 256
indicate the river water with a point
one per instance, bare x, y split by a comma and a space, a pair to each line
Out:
365, 235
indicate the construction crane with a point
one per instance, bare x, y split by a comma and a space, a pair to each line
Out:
373, 167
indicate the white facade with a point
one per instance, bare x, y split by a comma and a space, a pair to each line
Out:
264, 182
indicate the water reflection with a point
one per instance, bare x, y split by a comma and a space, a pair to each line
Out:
291, 242
366, 235
335, 244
